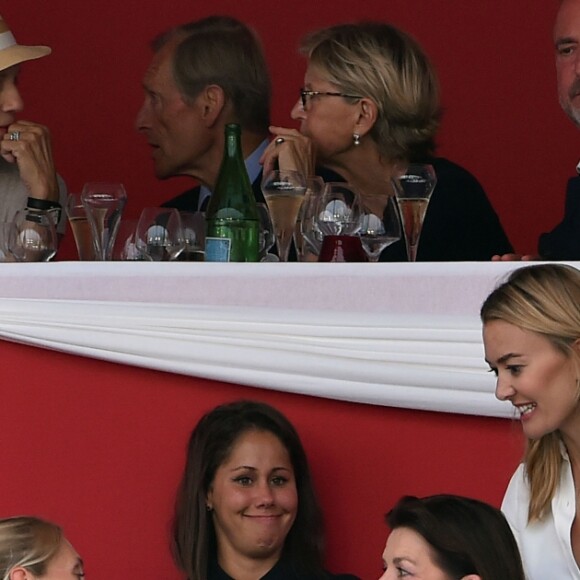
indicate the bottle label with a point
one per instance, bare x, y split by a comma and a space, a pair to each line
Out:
217, 249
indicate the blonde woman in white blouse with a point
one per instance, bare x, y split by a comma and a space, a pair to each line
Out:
531, 333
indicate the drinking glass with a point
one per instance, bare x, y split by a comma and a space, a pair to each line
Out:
125, 247
338, 210
311, 233
159, 234
413, 190
32, 236
307, 237
380, 225
267, 235
342, 248
193, 226
104, 203
79, 224
284, 191
5, 253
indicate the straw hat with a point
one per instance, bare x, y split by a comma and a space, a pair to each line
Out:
12, 53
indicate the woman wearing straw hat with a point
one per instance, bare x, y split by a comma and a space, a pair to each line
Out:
27, 173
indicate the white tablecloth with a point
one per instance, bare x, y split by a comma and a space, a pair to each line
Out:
404, 335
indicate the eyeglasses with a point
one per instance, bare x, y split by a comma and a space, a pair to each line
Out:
305, 96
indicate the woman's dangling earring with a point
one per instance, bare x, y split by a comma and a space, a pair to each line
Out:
356, 139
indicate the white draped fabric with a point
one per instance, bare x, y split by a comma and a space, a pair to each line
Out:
403, 335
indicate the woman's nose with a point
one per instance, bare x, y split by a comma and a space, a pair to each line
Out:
264, 495
297, 111
503, 388
11, 101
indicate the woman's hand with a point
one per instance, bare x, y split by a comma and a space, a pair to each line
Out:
291, 150
32, 152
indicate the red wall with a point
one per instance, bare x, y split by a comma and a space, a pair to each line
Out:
100, 447
495, 59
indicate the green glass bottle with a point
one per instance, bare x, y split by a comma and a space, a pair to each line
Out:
232, 221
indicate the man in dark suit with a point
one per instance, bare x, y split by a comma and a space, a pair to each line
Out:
563, 242
203, 75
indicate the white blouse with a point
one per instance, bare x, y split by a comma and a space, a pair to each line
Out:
545, 545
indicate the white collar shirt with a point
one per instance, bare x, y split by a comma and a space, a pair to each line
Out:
545, 545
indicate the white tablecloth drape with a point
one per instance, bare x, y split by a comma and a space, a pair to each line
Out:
403, 335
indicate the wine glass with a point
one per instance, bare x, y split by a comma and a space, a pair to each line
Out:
193, 226
338, 210
307, 237
159, 234
267, 235
284, 191
380, 225
79, 224
104, 203
413, 190
32, 236
125, 246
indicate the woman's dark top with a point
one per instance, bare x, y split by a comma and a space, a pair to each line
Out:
283, 570
460, 223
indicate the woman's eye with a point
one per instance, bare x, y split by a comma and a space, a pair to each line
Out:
279, 481
493, 370
515, 369
243, 480
402, 573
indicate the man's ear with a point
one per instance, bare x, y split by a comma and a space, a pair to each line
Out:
212, 100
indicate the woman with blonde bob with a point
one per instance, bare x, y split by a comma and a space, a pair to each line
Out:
32, 548
369, 107
531, 333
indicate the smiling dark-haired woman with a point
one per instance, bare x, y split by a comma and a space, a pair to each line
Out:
246, 507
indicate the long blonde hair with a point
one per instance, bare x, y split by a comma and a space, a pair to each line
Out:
544, 299
27, 542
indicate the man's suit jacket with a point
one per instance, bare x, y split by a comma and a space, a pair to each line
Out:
563, 242
189, 200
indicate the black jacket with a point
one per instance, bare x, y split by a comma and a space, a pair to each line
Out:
563, 242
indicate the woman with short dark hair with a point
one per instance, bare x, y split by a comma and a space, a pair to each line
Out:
448, 537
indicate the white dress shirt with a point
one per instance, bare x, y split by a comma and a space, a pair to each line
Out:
545, 545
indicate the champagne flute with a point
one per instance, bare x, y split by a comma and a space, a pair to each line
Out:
104, 203
32, 236
267, 235
284, 191
159, 234
380, 225
413, 190
79, 224
307, 237
5, 253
